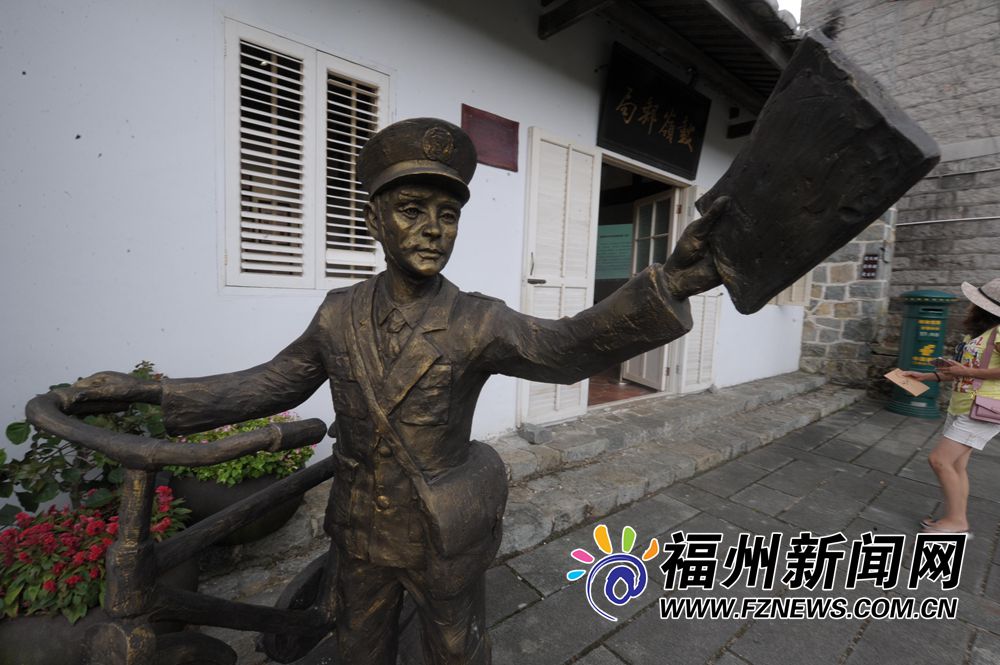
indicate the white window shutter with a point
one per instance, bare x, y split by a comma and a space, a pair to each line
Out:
698, 369
270, 137
697, 352
561, 243
353, 109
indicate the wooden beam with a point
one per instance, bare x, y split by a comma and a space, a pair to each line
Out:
740, 20
558, 19
648, 29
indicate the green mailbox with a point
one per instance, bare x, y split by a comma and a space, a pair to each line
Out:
925, 323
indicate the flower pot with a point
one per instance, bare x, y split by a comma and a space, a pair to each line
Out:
53, 640
207, 497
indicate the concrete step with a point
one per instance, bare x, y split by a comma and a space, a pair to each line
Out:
543, 506
538, 451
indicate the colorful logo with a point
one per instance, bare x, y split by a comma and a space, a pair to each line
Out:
625, 573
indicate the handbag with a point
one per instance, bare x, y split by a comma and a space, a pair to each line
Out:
985, 409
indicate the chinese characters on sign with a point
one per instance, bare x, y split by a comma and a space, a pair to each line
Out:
651, 116
811, 561
928, 341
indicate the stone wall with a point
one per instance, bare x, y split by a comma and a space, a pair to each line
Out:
844, 314
939, 59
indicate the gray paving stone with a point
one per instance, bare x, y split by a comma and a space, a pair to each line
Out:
797, 478
764, 499
985, 649
828, 463
557, 630
898, 509
704, 458
506, 594
861, 488
864, 433
911, 643
545, 567
882, 460
730, 440
747, 519
729, 478
600, 656
693, 496
729, 658
777, 642
840, 449
823, 512
524, 526
577, 447
649, 639
767, 458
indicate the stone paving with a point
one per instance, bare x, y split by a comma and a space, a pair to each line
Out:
862, 469
854, 470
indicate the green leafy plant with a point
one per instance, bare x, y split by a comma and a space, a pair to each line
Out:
281, 463
53, 466
53, 562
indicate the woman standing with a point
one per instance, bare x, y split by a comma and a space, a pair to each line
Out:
975, 372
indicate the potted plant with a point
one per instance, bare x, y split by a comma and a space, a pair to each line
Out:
52, 576
209, 489
52, 467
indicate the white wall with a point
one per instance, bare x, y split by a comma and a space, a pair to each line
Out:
760, 345
111, 181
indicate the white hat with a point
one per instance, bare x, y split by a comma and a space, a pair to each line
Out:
986, 296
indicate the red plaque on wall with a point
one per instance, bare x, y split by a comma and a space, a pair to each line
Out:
495, 138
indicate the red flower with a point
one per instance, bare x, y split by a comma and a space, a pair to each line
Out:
49, 585
24, 557
95, 572
161, 526
112, 528
94, 527
79, 558
58, 567
95, 552
23, 520
73, 580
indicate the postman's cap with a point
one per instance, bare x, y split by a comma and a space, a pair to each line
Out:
418, 147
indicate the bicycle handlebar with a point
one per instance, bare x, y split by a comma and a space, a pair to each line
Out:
46, 412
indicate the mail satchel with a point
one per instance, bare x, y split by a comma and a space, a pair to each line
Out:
465, 505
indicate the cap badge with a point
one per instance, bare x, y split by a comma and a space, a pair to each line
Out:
438, 144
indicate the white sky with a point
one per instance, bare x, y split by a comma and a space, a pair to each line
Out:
793, 6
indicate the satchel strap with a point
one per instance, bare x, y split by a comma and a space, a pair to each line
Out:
987, 354
381, 420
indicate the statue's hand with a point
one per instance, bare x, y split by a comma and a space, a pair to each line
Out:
108, 391
690, 268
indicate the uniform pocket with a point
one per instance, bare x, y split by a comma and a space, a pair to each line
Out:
428, 401
348, 399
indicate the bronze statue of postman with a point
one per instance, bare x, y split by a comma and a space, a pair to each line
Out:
415, 504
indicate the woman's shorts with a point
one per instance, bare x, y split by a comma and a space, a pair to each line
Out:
973, 433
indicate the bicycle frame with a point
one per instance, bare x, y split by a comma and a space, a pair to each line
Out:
133, 597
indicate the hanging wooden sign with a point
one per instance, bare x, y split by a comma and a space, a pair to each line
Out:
649, 115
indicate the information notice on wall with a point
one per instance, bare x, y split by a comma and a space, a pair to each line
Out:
614, 251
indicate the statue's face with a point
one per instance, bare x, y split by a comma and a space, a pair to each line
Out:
417, 225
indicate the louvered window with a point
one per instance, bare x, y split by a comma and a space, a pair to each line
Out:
296, 119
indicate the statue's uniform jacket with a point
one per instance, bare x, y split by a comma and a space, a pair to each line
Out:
429, 391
